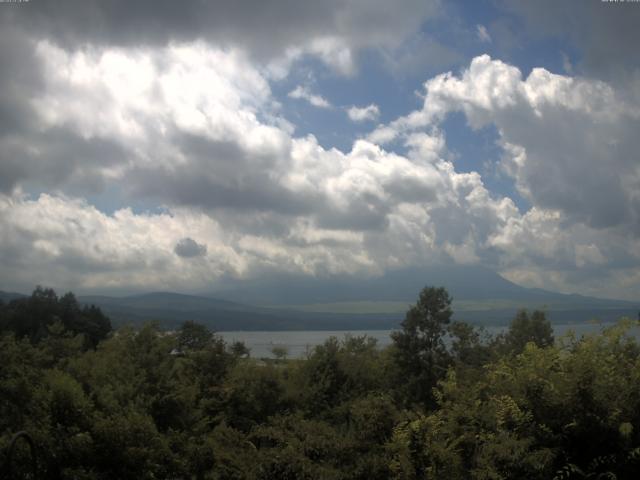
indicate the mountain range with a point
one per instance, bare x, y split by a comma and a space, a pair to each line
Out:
292, 302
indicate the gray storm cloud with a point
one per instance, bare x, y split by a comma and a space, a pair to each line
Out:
606, 33
189, 248
334, 30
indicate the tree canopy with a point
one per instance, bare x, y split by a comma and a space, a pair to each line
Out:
419, 348
32, 317
445, 400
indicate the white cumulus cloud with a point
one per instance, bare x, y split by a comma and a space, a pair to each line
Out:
564, 138
303, 93
362, 114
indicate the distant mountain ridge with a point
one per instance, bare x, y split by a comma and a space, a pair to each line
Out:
6, 297
172, 309
290, 302
463, 283
159, 300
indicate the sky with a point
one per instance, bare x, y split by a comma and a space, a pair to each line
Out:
163, 145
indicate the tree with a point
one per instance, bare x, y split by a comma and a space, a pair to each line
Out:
95, 325
524, 329
239, 349
32, 316
339, 371
29, 317
194, 336
254, 393
419, 349
280, 352
469, 346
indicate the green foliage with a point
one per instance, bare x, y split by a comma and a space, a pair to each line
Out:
33, 317
280, 352
128, 445
470, 346
146, 404
255, 393
422, 449
527, 328
194, 336
228, 455
336, 372
292, 447
239, 349
419, 349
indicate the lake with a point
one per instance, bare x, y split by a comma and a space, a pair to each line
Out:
298, 343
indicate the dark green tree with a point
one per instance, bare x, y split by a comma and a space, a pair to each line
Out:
254, 393
32, 317
419, 350
527, 328
194, 336
239, 350
29, 317
95, 325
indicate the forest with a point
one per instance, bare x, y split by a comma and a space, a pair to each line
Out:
444, 401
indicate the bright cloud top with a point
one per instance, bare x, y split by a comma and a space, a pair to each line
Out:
568, 142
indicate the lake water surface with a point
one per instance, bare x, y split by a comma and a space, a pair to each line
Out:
298, 343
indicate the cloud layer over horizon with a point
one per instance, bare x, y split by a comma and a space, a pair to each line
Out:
187, 123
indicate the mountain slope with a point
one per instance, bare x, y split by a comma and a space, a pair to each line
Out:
6, 297
479, 295
289, 302
164, 300
172, 309
466, 284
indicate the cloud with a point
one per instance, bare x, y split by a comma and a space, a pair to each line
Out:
363, 114
195, 128
205, 147
68, 243
377, 210
303, 93
604, 33
273, 32
189, 248
419, 54
483, 34
539, 249
181, 123
564, 138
